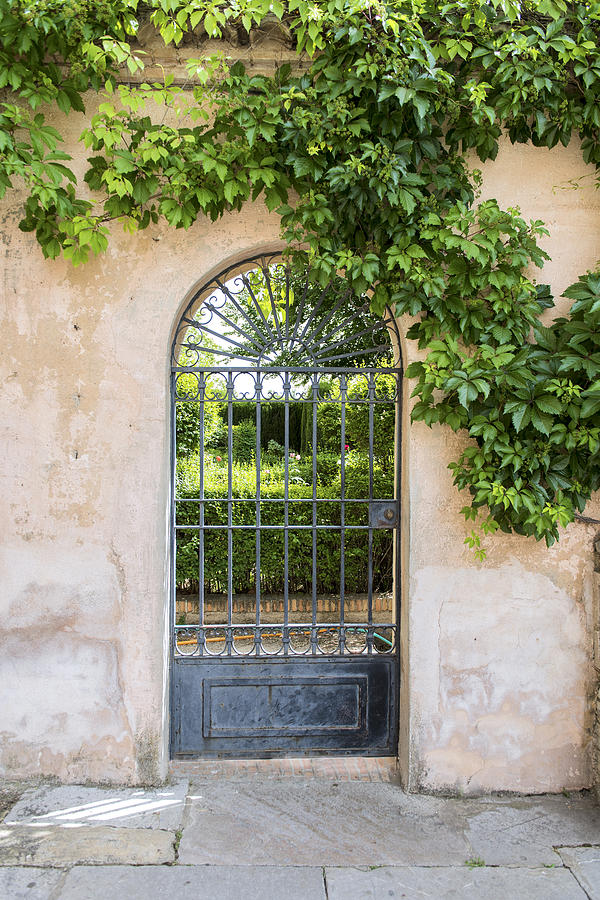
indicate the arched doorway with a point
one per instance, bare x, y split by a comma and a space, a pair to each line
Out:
285, 511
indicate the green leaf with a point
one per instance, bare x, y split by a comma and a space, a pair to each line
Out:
404, 94
549, 404
421, 105
541, 421
589, 407
521, 417
210, 24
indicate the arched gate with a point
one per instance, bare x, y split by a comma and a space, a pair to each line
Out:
285, 513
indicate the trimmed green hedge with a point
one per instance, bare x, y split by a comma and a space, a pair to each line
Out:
272, 513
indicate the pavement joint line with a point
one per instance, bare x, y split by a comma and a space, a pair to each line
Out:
578, 882
169, 865
366, 868
558, 847
325, 885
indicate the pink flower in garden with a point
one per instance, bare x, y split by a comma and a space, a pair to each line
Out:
346, 446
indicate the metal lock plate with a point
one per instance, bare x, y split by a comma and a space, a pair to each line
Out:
384, 513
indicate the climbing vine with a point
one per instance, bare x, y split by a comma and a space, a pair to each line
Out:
365, 150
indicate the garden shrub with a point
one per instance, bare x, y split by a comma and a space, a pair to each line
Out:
272, 541
187, 418
216, 438
244, 440
272, 420
275, 448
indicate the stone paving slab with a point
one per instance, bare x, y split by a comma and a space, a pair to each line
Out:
584, 862
452, 884
74, 805
294, 823
193, 883
55, 845
524, 831
29, 883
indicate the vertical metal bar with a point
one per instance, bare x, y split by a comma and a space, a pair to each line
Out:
201, 503
370, 532
398, 497
174, 706
343, 389
315, 398
173, 587
286, 497
228, 634
258, 397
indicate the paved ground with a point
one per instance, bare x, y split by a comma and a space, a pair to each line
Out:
293, 830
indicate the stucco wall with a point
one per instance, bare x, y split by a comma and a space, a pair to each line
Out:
497, 670
596, 659
499, 678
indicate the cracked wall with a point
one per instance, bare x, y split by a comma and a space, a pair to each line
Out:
497, 671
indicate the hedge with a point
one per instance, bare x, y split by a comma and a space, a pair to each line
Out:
272, 513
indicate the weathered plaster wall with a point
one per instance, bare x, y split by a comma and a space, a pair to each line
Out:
497, 657
84, 493
499, 671
596, 660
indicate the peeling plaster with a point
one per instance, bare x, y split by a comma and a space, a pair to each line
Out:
502, 703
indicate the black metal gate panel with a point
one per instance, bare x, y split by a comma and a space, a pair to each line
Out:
285, 519
273, 706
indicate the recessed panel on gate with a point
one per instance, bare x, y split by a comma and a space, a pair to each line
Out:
277, 707
285, 516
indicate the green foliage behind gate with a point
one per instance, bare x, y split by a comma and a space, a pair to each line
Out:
300, 543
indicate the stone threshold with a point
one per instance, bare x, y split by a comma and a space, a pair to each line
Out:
336, 768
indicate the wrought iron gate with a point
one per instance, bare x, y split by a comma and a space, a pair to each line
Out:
285, 514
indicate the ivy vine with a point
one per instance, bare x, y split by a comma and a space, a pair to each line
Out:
364, 156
